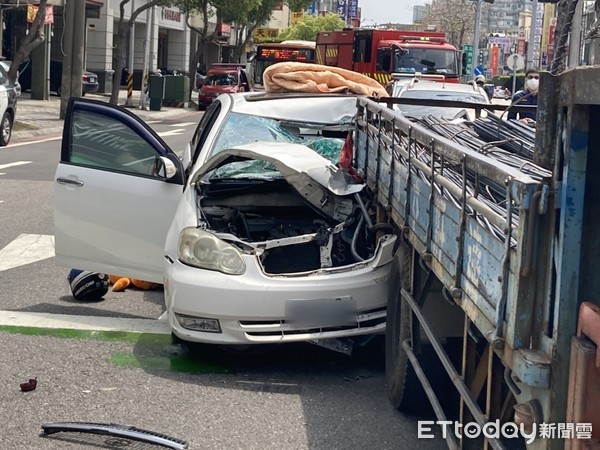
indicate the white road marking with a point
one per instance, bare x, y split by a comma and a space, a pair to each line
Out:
14, 164
172, 132
153, 121
183, 124
88, 323
19, 144
26, 249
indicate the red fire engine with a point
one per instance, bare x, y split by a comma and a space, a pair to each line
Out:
379, 53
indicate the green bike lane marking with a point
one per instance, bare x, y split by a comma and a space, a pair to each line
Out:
151, 351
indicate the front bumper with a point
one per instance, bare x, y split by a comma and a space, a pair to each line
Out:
206, 100
254, 308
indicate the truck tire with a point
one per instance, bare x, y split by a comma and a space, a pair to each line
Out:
399, 373
404, 388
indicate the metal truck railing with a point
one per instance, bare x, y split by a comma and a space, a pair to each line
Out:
515, 250
434, 190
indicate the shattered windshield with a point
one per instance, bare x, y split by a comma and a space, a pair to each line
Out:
430, 61
240, 129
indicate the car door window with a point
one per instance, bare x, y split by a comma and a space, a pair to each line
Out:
204, 128
104, 142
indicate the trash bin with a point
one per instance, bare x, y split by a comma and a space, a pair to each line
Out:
156, 91
177, 88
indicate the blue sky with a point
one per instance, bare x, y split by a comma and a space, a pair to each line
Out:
386, 11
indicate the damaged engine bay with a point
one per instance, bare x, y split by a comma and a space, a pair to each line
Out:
288, 233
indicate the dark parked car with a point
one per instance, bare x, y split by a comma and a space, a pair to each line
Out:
89, 81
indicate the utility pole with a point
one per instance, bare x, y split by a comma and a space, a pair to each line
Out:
129, 101
71, 83
476, 34
147, 43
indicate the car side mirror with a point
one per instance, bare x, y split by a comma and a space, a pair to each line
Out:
165, 168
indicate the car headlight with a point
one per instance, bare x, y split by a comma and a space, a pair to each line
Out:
198, 248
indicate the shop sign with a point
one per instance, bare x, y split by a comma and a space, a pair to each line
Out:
296, 16
32, 11
264, 33
172, 18
172, 15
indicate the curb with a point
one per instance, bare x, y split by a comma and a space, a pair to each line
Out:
23, 135
167, 113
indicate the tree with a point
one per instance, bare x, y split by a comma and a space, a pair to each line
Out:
34, 38
118, 57
453, 17
308, 28
249, 15
245, 14
205, 9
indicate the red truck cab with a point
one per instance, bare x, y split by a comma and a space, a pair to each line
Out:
379, 53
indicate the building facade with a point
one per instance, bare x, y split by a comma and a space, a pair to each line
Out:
171, 42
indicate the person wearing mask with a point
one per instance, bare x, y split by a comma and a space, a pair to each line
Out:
527, 96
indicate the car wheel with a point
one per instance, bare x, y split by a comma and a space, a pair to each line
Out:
5, 129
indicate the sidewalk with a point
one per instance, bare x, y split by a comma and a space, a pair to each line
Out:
41, 117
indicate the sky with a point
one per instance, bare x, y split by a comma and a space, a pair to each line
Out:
387, 11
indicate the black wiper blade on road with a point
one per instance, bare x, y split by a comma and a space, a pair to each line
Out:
122, 431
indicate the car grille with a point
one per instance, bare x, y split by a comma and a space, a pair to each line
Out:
279, 330
292, 259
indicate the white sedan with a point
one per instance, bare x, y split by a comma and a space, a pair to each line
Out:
256, 234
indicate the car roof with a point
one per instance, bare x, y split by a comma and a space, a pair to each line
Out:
305, 108
403, 86
222, 70
427, 85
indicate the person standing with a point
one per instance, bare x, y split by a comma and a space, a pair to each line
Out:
526, 97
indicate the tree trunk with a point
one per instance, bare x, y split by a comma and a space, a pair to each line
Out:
35, 37
118, 62
118, 52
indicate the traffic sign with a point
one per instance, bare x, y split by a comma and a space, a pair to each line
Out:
478, 70
468, 58
515, 62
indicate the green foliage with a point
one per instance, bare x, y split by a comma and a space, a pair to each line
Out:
242, 12
298, 5
238, 11
308, 28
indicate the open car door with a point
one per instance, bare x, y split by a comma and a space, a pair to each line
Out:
117, 186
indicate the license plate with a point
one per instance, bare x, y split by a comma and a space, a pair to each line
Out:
322, 312
92, 79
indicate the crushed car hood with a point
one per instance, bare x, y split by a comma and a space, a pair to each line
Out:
314, 177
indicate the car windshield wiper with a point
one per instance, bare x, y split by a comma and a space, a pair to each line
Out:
122, 431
